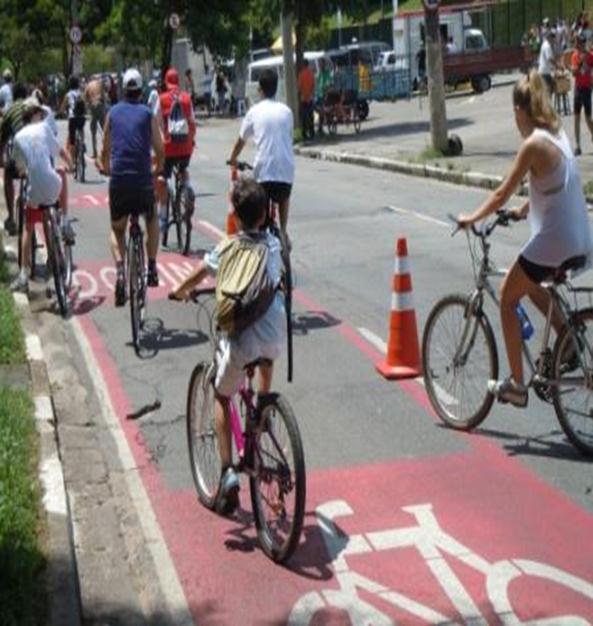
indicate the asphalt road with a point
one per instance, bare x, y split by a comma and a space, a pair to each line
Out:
511, 489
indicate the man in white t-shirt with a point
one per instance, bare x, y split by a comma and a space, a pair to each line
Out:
271, 124
547, 59
36, 148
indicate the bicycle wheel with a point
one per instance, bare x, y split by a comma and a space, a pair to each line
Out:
459, 356
202, 439
136, 282
56, 259
80, 164
573, 395
278, 487
356, 120
168, 210
332, 124
288, 283
185, 212
68, 266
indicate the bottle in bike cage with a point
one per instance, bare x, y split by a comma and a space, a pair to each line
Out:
526, 326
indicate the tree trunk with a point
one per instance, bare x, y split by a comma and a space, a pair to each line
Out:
436, 82
290, 82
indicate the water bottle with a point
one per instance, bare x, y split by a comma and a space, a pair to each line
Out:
526, 327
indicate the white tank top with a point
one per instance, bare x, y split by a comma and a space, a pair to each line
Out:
558, 217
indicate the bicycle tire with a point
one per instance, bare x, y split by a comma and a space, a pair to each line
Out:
34, 246
202, 439
135, 277
69, 267
274, 481
165, 234
187, 215
356, 120
445, 396
56, 260
20, 225
183, 220
574, 423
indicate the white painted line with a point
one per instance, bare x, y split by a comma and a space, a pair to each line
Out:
179, 614
91, 199
52, 479
213, 229
420, 216
43, 408
446, 398
373, 339
33, 345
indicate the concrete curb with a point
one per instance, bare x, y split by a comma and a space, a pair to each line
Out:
63, 595
470, 179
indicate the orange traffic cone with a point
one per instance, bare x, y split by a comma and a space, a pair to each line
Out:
403, 351
231, 222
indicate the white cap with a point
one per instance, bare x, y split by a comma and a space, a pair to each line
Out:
132, 79
7, 74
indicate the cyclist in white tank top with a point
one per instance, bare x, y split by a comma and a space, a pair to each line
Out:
560, 229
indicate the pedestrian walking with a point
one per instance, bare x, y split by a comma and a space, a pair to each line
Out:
581, 66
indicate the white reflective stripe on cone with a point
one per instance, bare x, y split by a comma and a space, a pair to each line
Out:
402, 301
402, 265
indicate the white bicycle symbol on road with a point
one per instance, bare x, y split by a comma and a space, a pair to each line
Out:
432, 542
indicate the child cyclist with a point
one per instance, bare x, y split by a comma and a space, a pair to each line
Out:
260, 340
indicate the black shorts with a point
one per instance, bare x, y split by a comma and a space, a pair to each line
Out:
538, 273
124, 201
170, 162
74, 124
277, 192
10, 169
582, 100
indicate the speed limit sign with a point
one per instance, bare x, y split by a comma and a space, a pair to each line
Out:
75, 35
431, 5
174, 21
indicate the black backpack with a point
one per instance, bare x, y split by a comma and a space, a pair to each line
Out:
79, 108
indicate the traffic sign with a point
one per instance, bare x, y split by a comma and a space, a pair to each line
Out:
75, 35
174, 21
431, 5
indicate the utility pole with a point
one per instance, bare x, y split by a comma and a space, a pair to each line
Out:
436, 81
290, 81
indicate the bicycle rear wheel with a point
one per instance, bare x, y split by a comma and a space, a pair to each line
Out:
202, 439
80, 164
136, 287
184, 217
573, 396
459, 356
57, 259
278, 486
168, 211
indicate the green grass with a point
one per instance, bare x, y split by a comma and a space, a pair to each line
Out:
12, 343
21, 559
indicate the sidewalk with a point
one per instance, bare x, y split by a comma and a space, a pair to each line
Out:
396, 134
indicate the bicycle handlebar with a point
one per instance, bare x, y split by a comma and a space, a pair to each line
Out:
503, 218
242, 166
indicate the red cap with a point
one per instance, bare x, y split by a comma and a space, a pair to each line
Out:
172, 78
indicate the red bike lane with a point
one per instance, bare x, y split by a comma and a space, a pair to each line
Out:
496, 540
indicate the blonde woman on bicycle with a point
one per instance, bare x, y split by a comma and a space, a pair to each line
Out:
560, 231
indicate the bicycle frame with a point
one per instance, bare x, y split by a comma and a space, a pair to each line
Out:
482, 275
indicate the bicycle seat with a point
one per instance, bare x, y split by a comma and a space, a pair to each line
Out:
261, 361
574, 263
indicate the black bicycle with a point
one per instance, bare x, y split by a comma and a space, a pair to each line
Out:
287, 277
179, 210
56, 255
136, 271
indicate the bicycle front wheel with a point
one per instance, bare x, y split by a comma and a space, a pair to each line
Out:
202, 439
573, 372
136, 287
278, 488
459, 356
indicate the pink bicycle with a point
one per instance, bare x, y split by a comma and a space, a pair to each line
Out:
268, 448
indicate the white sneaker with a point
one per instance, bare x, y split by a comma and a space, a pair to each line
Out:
20, 284
508, 390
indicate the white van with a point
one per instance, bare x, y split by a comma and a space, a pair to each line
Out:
275, 63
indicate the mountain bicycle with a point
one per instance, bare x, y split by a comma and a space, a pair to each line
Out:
459, 353
79, 150
21, 207
179, 210
268, 449
274, 227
